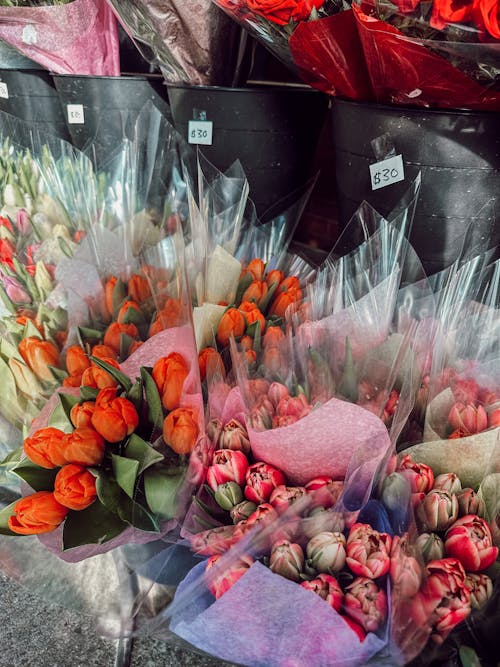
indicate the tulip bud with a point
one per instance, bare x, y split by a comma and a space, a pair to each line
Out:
234, 436
43, 280
368, 551
220, 581
419, 475
277, 392
227, 466
327, 587
283, 496
468, 417
242, 511
437, 511
406, 574
469, 502
431, 546
287, 559
469, 540
25, 379
261, 480
481, 589
366, 604
448, 482
326, 552
324, 491
228, 495
214, 428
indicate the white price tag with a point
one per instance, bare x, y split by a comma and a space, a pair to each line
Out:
4, 91
200, 132
75, 114
387, 172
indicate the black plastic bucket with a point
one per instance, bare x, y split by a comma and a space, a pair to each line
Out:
103, 109
31, 95
273, 131
458, 155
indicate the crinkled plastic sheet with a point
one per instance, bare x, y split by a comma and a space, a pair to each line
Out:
191, 42
80, 37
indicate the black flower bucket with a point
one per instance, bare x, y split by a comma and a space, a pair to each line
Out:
458, 155
102, 110
30, 94
273, 131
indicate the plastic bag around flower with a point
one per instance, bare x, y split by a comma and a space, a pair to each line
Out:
50, 199
318, 41
462, 388
250, 571
414, 59
78, 37
194, 44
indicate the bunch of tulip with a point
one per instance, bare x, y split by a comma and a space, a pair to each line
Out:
303, 537
476, 409
108, 459
128, 315
456, 545
261, 301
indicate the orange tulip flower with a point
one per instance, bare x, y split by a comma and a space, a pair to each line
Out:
97, 377
275, 276
46, 447
39, 355
169, 374
255, 292
103, 352
273, 337
108, 293
124, 308
255, 268
210, 360
284, 299
76, 360
232, 323
74, 487
81, 414
138, 288
252, 314
115, 330
114, 417
36, 514
180, 430
84, 446
169, 316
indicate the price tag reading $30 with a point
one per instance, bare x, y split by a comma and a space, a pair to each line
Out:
387, 172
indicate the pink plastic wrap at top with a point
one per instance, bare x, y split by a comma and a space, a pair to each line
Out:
403, 71
177, 339
329, 56
80, 37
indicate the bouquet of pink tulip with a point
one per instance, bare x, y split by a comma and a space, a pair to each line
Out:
457, 529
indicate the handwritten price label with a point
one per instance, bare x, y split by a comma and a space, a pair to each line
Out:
75, 114
4, 91
387, 172
200, 132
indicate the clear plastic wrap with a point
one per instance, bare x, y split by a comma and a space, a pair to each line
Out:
432, 53
78, 37
317, 40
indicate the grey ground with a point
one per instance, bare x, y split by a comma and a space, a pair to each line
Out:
35, 633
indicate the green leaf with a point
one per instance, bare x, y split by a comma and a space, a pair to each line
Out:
89, 393
125, 471
59, 418
468, 657
253, 329
264, 304
108, 491
348, 385
135, 394
9, 351
58, 373
125, 343
93, 525
6, 301
136, 515
162, 491
39, 479
13, 458
243, 285
116, 374
5, 514
91, 336
119, 295
153, 399
132, 316
68, 401
139, 450
9, 386
30, 330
